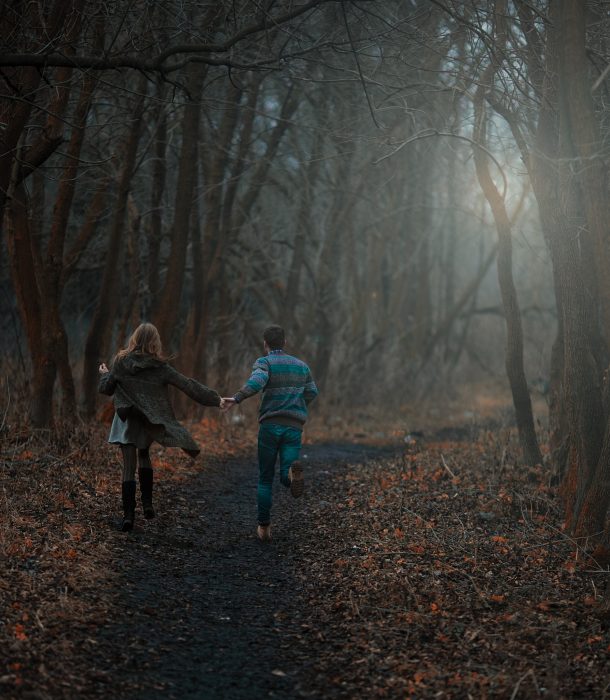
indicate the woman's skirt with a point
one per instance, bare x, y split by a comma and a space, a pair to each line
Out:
135, 430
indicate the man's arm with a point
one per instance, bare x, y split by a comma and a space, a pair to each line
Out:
257, 381
311, 390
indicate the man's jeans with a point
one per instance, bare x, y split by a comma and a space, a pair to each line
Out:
274, 439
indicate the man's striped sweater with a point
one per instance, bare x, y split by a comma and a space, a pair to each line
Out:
287, 387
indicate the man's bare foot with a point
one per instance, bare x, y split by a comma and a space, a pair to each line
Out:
263, 532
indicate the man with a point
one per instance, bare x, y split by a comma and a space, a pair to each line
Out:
288, 388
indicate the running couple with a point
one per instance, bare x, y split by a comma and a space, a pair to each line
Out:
138, 380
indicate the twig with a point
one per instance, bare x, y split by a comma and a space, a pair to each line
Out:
601, 78
427, 133
361, 75
444, 463
38, 621
574, 541
596, 571
530, 672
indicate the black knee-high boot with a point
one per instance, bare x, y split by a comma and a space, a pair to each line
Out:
129, 487
129, 505
145, 473
146, 491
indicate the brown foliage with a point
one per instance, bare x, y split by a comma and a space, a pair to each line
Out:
438, 566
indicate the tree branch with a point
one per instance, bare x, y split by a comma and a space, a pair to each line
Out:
157, 64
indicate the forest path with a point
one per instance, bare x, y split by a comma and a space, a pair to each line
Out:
209, 611
431, 569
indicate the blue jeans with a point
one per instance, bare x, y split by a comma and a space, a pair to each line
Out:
274, 439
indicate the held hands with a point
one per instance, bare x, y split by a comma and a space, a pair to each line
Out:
103, 369
227, 403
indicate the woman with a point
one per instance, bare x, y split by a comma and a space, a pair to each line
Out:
138, 380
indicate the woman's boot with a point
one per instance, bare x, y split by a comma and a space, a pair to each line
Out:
129, 505
146, 491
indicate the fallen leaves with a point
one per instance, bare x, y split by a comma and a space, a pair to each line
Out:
405, 586
19, 632
433, 580
56, 546
497, 598
416, 548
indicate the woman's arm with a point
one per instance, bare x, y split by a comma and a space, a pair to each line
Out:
192, 388
107, 383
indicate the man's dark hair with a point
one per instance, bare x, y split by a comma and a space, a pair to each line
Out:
275, 337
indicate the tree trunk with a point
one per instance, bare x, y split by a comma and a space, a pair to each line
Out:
588, 146
582, 130
20, 86
14, 115
303, 229
214, 173
168, 310
156, 204
514, 332
422, 315
130, 315
54, 337
87, 231
40, 313
99, 337
327, 277
554, 191
445, 325
28, 302
198, 265
449, 262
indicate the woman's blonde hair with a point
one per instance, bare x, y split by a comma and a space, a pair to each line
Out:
144, 340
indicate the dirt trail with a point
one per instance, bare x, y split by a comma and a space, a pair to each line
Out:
209, 611
430, 569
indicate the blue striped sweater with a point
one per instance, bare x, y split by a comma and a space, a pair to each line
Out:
287, 387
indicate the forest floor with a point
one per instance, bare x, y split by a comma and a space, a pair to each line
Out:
426, 567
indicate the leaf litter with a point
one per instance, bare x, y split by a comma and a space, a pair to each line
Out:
432, 568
